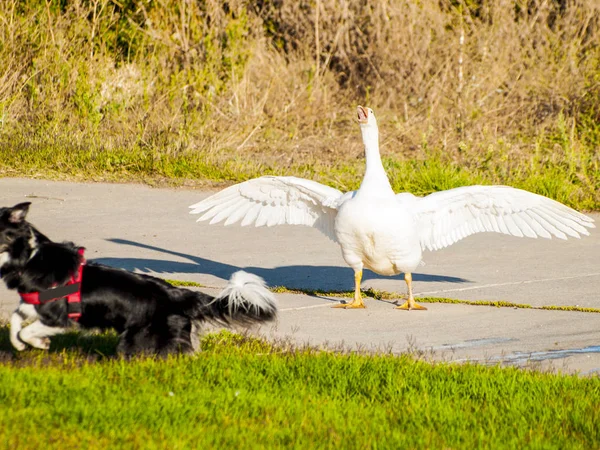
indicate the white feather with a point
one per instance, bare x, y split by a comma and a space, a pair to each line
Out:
495, 208
269, 201
237, 215
251, 215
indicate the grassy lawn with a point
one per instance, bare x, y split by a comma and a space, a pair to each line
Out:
241, 392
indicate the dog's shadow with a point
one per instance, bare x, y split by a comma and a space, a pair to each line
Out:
92, 345
325, 278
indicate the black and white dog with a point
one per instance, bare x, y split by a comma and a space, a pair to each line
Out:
151, 315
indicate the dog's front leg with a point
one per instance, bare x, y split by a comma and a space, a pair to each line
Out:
38, 335
21, 314
16, 321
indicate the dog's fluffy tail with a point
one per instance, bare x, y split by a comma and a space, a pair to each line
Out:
245, 300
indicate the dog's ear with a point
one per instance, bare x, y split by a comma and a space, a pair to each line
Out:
17, 213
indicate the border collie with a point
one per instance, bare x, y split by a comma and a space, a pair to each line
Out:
150, 315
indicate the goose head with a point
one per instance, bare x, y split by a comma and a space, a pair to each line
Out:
366, 117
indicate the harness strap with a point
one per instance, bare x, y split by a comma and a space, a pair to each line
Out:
74, 299
71, 290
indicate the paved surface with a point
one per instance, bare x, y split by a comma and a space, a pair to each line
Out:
149, 230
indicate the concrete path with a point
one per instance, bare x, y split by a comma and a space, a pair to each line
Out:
149, 230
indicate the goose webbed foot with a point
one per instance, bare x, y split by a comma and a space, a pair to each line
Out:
357, 303
410, 303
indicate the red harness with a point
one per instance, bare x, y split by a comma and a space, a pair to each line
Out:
71, 290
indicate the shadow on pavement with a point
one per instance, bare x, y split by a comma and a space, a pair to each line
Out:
301, 277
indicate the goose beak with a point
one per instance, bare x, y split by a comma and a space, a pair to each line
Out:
363, 115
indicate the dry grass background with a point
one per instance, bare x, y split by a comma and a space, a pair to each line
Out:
465, 91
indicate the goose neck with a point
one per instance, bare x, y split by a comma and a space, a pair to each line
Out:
374, 173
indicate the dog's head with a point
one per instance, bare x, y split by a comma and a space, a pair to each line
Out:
15, 233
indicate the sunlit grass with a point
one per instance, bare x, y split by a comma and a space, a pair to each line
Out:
241, 392
210, 169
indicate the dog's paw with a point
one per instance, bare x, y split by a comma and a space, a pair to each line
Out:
17, 343
41, 343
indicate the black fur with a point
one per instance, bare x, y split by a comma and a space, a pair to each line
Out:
151, 315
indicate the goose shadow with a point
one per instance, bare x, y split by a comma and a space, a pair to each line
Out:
327, 278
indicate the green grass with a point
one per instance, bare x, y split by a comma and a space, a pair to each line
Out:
185, 283
420, 177
241, 392
385, 295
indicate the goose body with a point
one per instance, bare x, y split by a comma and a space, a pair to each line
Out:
387, 232
386, 247
372, 227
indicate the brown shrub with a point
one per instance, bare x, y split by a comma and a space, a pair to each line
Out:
280, 78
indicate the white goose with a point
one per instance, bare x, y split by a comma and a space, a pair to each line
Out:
387, 232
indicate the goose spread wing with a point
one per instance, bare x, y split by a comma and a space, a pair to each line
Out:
269, 201
445, 217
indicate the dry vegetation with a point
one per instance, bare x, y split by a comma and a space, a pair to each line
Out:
497, 91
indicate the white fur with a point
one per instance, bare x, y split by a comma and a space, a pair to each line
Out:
4, 258
33, 244
249, 290
37, 334
24, 312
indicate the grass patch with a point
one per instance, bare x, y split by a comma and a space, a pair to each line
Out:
385, 295
185, 283
241, 392
215, 169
